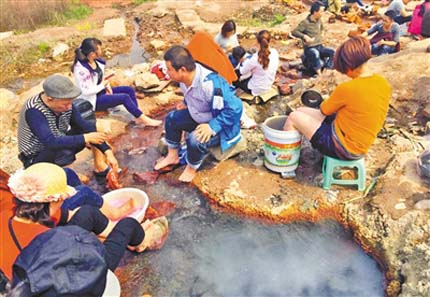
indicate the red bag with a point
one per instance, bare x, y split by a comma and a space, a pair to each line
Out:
387, 36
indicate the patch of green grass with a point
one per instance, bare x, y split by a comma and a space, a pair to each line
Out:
43, 48
116, 6
21, 15
138, 2
77, 11
252, 22
74, 11
84, 26
14, 61
278, 19
258, 22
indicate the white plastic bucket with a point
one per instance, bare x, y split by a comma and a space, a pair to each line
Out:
281, 148
117, 197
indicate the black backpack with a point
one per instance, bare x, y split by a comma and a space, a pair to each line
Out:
85, 108
63, 261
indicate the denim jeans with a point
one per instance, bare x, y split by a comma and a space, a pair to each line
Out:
84, 196
178, 121
382, 49
317, 57
121, 96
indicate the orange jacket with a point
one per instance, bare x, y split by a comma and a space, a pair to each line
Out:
205, 51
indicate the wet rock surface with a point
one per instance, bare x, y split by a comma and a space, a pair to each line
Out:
392, 221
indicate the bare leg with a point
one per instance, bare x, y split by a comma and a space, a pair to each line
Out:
83, 178
306, 120
155, 234
147, 121
99, 160
313, 112
148, 227
171, 158
188, 174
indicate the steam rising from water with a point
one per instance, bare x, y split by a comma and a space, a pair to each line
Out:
292, 260
211, 254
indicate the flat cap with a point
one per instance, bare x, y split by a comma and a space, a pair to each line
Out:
60, 87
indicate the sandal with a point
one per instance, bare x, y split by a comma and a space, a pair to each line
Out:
101, 176
167, 168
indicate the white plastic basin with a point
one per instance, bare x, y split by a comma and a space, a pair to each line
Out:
117, 197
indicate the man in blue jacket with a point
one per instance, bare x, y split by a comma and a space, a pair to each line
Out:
210, 113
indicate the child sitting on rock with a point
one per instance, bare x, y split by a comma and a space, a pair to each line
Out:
237, 56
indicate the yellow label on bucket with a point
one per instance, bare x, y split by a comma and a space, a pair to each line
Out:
282, 145
279, 154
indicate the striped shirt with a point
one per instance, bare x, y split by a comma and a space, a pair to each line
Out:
39, 128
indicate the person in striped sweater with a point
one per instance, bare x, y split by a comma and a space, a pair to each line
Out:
51, 129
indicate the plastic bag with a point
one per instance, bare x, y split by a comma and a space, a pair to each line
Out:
160, 70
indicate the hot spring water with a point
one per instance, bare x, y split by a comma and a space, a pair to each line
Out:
209, 253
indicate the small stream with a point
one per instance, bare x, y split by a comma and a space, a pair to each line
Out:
137, 54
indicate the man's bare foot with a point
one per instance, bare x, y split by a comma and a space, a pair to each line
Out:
168, 160
149, 229
147, 121
188, 174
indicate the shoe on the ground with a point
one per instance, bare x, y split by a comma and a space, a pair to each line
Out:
248, 123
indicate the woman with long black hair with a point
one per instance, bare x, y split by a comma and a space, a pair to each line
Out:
258, 72
88, 69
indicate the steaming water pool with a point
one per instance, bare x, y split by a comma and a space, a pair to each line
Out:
209, 253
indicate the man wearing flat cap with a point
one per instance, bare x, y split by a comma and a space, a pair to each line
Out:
51, 129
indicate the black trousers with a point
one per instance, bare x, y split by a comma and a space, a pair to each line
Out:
60, 156
126, 232
242, 84
402, 19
